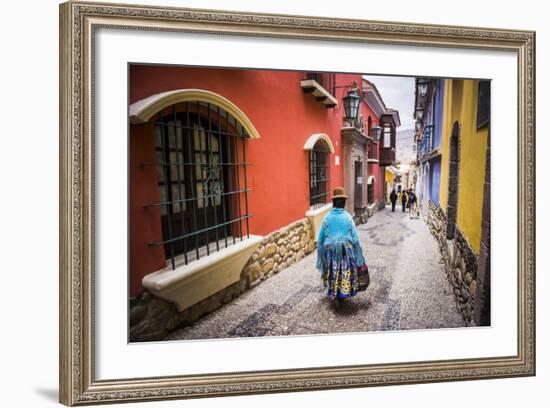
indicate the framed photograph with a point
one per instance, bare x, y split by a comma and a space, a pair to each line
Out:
255, 203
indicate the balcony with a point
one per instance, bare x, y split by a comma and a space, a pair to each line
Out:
426, 148
321, 86
387, 156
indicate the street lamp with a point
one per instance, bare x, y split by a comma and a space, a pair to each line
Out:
351, 103
423, 87
419, 112
376, 132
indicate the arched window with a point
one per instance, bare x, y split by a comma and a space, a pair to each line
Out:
319, 173
201, 170
454, 164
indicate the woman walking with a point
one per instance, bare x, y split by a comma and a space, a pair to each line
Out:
339, 253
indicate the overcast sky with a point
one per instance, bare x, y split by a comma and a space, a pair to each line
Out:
397, 93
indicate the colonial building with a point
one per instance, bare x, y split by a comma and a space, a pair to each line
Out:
453, 122
231, 173
382, 152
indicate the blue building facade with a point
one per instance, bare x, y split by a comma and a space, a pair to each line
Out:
429, 99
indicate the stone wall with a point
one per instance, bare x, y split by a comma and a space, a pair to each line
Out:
279, 250
152, 318
460, 262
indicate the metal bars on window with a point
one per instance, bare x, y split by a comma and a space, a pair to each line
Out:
201, 169
319, 172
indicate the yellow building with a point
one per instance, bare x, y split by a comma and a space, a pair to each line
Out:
390, 174
461, 220
460, 115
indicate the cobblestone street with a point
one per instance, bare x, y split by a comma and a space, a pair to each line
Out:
408, 290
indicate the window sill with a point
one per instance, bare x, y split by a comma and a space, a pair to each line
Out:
316, 217
189, 284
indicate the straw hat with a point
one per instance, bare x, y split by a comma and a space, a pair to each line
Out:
339, 193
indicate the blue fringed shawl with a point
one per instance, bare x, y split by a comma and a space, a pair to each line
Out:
338, 227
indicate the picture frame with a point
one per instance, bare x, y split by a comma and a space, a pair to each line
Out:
79, 22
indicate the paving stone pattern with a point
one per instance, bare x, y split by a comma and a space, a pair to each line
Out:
408, 290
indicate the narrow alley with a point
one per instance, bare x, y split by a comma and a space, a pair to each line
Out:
408, 290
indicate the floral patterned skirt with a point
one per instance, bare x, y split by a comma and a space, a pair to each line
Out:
339, 273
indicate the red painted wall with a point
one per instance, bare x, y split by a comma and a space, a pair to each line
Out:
379, 179
144, 222
374, 169
285, 118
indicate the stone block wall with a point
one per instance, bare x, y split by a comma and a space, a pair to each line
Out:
279, 250
152, 318
460, 262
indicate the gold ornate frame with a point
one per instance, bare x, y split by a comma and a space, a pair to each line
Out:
78, 22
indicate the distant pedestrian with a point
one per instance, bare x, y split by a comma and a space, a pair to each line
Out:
393, 199
403, 200
412, 204
339, 253
410, 199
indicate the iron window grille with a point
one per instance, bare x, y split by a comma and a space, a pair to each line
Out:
319, 172
201, 170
